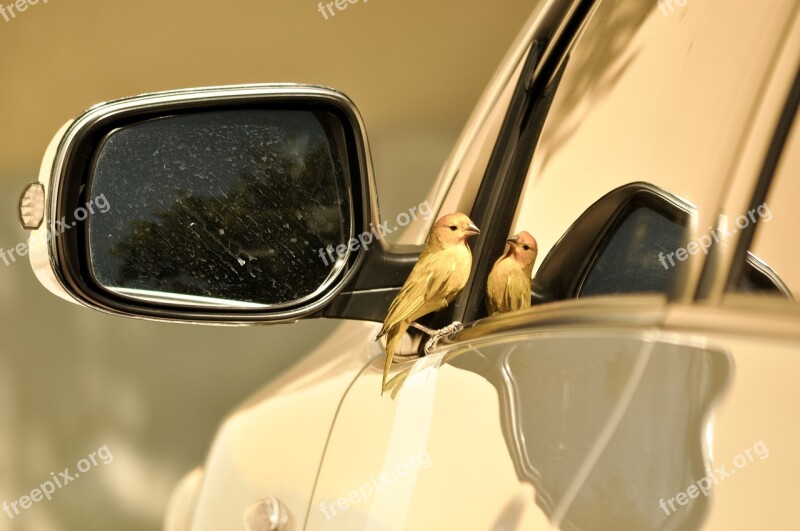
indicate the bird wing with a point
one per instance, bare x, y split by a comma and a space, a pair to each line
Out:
495, 287
411, 296
435, 280
517, 292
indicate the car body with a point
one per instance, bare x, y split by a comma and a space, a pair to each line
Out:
651, 384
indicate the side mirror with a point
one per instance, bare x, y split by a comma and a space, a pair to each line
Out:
613, 247
229, 205
621, 244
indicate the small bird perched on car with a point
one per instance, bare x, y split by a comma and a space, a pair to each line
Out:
508, 287
437, 278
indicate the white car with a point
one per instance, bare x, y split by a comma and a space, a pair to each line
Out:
653, 150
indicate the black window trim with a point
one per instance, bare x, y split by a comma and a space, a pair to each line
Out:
789, 118
508, 165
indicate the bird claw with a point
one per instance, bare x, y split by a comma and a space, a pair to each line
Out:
452, 328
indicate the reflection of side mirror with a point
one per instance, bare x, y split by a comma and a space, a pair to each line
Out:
235, 204
558, 397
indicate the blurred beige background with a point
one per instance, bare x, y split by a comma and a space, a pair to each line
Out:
73, 380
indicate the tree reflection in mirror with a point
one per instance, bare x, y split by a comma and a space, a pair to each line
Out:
222, 208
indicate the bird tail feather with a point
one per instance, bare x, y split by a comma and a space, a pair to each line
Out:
393, 340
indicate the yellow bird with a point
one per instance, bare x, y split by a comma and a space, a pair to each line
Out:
437, 278
508, 287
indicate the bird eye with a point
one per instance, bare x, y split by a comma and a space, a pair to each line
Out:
453, 227
526, 247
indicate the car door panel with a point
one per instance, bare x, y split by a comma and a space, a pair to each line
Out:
582, 430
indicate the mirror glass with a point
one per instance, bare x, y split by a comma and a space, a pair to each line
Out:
225, 208
630, 263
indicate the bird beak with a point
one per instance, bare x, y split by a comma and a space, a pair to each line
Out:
513, 239
472, 228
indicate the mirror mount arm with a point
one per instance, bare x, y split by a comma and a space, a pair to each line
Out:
368, 296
